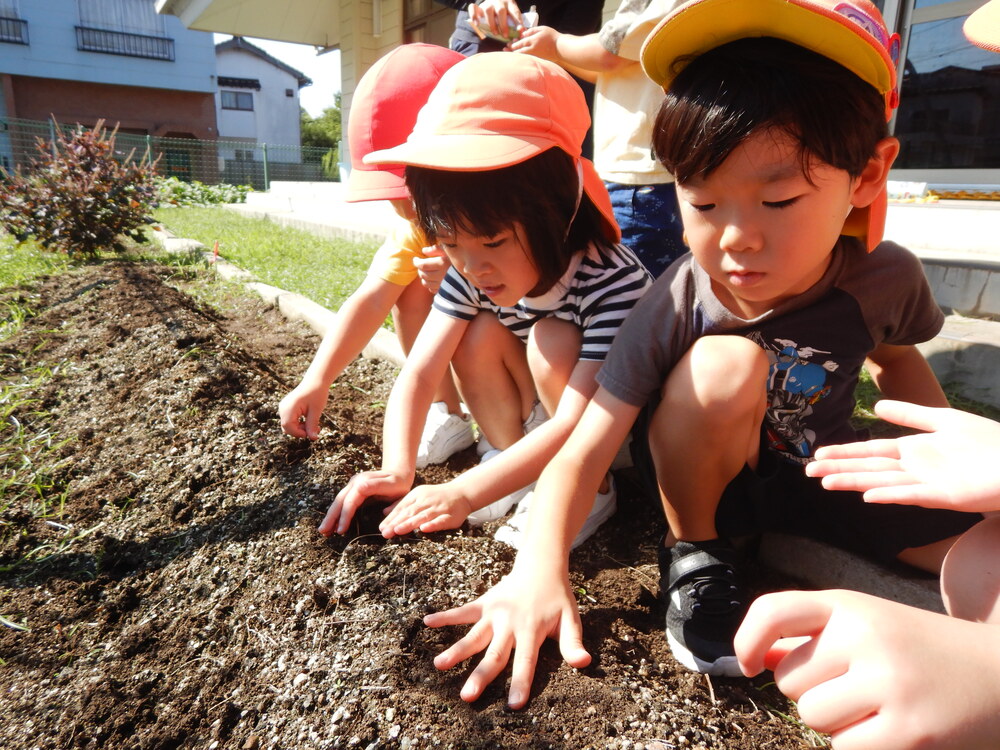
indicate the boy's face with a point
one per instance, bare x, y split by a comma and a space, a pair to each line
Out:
757, 226
498, 266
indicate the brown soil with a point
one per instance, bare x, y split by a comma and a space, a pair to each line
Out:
179, 595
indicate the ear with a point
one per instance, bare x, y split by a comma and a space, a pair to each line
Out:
875, 174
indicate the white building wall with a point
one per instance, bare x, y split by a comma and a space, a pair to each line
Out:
275, 116
52, 53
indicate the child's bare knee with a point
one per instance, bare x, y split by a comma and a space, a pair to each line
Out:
482, 338
719, 374
970, 576
553, 349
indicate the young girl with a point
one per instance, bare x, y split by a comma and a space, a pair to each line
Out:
534, 297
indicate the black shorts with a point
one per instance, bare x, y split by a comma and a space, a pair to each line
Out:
778, 496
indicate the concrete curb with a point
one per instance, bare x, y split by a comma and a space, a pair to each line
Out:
815, 563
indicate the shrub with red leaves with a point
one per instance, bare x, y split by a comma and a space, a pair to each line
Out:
79, 196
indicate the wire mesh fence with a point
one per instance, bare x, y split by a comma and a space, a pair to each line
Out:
227, 161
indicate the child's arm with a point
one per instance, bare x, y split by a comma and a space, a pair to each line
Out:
358, 319
876, 673
583, 56
535, 600
952, 465
434, 507
902, 373
405, 414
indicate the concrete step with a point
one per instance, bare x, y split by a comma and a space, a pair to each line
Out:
966, 356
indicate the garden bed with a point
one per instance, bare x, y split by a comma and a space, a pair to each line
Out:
164, 585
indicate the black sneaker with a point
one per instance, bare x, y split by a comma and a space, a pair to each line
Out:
705, 605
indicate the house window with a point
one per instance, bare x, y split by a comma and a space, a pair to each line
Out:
289, 93
237, 100
12, 28
122, 27
136, 16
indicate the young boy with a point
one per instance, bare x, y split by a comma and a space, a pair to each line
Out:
744, 356
385, 107
855, 676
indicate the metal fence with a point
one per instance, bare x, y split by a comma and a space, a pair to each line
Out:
211, 162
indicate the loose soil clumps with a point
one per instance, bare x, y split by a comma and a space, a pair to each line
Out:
167, 588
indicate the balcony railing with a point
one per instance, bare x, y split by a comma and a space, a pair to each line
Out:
13, 30
124, 43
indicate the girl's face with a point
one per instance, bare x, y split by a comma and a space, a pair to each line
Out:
499, 266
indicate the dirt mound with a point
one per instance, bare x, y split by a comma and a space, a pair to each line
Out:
165, 587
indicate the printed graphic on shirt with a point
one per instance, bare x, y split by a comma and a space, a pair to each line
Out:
796, 381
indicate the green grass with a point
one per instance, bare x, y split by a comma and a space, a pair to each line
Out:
325, 270
867, 394
20, 264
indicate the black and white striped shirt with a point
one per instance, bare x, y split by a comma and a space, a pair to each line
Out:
596, 293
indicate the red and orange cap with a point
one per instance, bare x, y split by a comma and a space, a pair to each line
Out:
497, 109
383, 111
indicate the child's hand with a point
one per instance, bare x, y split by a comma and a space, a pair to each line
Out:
432, 268
301, 409
429, 507
383, 485
954, 465
539, 41
520, 612
876, 673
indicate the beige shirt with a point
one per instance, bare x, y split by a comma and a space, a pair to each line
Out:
626, 101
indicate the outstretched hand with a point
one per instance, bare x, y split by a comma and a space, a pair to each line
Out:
383, 485
875, 673
952, 465
517, 615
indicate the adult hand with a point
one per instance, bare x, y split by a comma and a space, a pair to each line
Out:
432, 268
429, 507
368, 484
519, 613
878, 674
953, 465
495, 15
540, 41
300, 411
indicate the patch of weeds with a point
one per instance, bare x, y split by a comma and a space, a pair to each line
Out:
32, 483
14, 315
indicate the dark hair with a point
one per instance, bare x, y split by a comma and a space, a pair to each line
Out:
539, 193
724, 96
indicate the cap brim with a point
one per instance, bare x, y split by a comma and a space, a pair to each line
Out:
367, 184
463, 153
982, 28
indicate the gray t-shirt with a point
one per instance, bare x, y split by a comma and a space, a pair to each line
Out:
817, 342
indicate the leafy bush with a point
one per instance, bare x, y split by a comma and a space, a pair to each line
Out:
79, 196
170, 191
